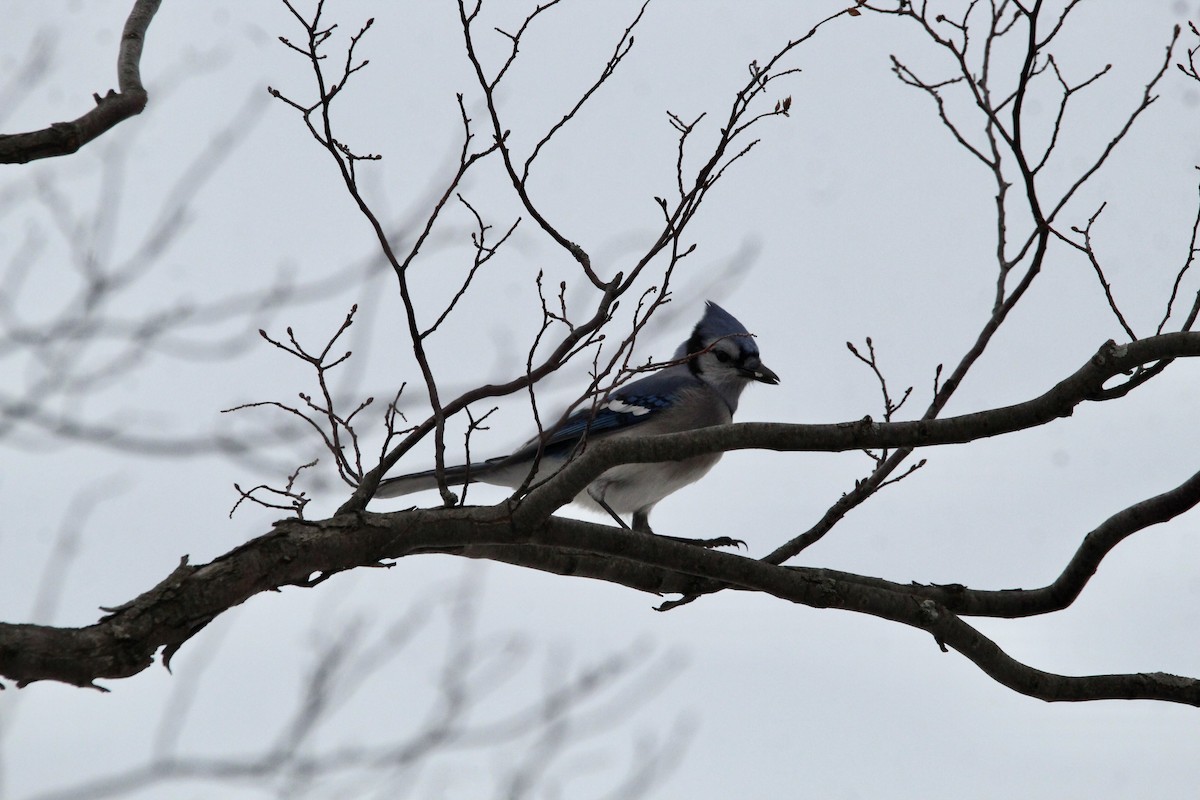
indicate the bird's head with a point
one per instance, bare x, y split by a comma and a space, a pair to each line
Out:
722, 353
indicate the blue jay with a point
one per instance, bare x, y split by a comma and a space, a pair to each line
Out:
702, 389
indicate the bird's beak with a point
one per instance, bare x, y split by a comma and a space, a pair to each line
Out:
760, 373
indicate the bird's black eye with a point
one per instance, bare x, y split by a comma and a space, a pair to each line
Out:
722, 356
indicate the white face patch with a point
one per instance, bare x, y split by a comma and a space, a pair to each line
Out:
621, 407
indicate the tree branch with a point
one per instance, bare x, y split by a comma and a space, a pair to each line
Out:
124, 643
1087, 383
306, 554
64, 138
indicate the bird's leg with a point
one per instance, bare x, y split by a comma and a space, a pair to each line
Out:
600, 502
641, 523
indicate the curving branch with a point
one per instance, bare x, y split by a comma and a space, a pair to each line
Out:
1087, 383
125, 642
305, 554
1013, 603
829, 589
64, 138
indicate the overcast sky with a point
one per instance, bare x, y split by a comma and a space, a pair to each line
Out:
857, 216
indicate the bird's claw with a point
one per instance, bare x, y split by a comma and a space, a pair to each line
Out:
719, 541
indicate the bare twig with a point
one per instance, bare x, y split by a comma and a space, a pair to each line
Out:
336, 430
1089, 250
296, 501
1007, 153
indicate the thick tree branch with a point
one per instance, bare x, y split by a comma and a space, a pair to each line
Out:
299, 553
304, 554
1087, 383
827, 589
64, 138
296, 553
1008, 603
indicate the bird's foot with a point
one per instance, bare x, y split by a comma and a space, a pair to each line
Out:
641, 524
719, 541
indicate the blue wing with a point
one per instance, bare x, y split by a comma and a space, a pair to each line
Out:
628, 407
615, 412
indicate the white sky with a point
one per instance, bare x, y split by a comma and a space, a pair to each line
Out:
855, 217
